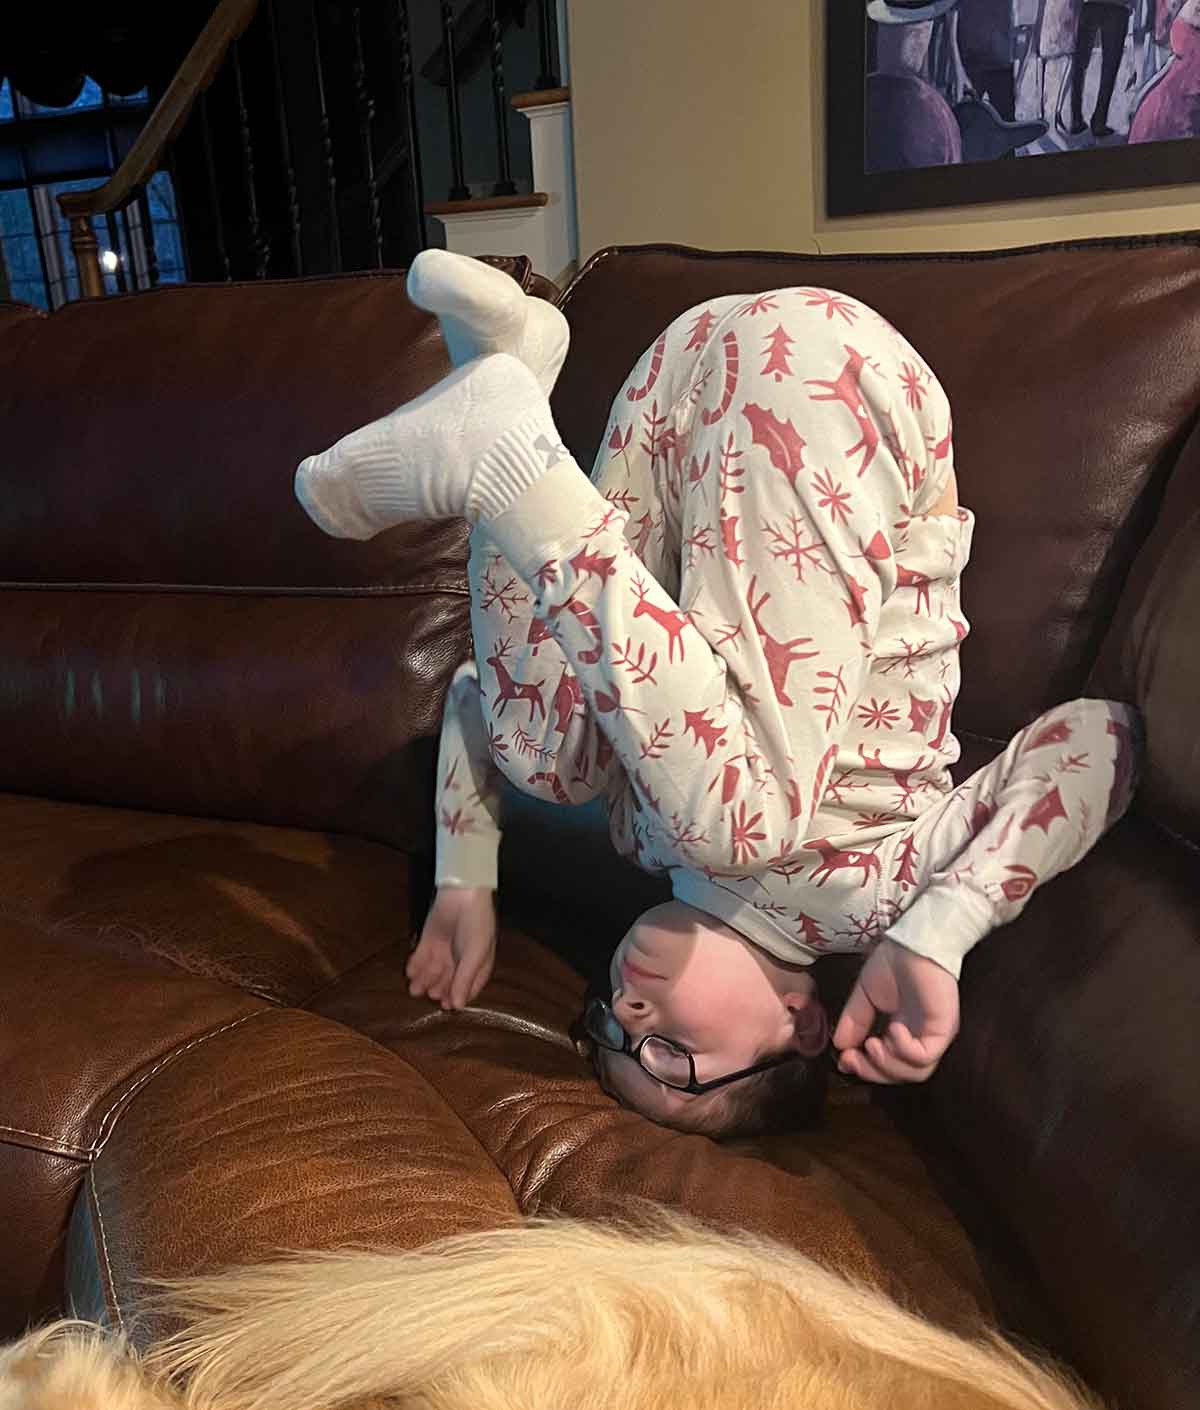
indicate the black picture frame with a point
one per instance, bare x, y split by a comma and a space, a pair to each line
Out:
849, 190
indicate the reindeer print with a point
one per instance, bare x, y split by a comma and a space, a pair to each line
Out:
846, 388
781, 655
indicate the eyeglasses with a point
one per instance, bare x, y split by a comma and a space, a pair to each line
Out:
662, 1058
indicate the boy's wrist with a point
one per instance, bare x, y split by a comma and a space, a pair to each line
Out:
946, 920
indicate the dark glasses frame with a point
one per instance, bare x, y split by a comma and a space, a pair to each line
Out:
592, 1027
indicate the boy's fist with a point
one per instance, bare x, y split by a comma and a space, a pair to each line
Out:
454, 956
920, 999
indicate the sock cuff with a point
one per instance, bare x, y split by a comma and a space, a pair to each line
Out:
517, 459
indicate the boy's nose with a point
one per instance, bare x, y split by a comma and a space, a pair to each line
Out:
630, 1010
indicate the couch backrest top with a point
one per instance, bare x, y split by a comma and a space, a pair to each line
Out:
1074, 374
152, 438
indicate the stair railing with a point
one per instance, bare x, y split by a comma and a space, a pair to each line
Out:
194, 75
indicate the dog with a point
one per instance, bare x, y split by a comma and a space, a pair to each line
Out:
551, 1313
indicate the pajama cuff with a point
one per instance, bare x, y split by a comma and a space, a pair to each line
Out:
943, 923
548, 518
467, 859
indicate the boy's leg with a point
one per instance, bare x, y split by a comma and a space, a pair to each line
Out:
545, 739
974, 858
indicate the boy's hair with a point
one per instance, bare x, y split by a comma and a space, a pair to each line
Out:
784, 1098
788, 1097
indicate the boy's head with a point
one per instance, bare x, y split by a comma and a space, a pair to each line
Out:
686, 976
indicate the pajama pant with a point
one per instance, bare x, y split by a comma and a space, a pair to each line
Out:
745, 633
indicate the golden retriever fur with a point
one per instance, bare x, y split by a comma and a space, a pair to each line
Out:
557, 1312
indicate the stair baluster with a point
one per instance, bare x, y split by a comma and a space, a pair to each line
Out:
214, 191
505, 186
366, 118
335, 237
458, 187
285, 145
408, 92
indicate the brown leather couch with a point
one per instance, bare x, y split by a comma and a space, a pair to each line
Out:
219, 733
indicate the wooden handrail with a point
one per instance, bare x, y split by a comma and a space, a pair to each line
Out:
194, 75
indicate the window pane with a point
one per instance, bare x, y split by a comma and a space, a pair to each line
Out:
6, 104
16, 217
89, 97
25, 270
141, 96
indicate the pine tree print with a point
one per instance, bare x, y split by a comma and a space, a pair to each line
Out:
778, 349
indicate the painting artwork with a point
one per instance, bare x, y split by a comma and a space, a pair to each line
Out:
935, 102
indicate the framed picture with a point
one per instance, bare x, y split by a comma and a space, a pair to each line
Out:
951, 102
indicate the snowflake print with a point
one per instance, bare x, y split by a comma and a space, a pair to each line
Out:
507, 597
839, 785
732, 633
547, 573
744, 837
605, 522
832, 304
833, 497
912, 381
906, 658
874, 819
624, 500
788, 544
763, 303
879, 714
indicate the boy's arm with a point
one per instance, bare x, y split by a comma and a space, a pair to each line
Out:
467, 806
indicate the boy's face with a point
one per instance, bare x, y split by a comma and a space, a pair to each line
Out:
684, 975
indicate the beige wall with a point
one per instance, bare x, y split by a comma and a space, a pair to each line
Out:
701, 122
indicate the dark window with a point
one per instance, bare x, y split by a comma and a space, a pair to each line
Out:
46, 150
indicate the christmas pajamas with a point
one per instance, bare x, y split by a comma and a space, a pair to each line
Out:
745, 632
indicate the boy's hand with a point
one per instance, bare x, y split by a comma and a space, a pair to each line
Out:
922, 1000
454, 956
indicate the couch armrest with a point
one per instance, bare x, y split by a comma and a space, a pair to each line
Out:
286, 1131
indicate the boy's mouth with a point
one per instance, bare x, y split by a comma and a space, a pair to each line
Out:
627, 967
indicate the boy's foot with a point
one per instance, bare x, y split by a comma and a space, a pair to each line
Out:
482, 310
1101, 129
468, 446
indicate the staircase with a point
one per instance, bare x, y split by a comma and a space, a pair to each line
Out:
304, 137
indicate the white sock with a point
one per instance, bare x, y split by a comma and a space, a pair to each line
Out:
469, 446
482, 310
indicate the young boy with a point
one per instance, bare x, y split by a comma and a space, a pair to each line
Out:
744, 632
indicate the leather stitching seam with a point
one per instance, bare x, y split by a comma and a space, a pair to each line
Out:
102, 1135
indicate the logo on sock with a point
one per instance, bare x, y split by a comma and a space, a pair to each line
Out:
551, 453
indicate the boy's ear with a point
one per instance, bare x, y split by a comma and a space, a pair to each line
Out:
810, 1022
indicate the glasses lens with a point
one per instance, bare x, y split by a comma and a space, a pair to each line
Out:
602, 1026
666, 1062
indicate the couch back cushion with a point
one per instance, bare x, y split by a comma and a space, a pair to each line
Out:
175, 633
1073, 372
